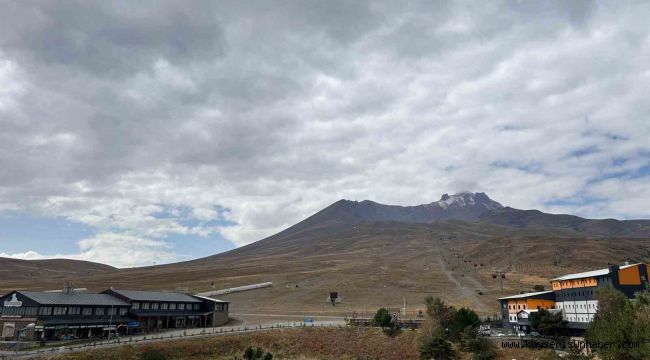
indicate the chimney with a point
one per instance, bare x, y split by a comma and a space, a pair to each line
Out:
67, 288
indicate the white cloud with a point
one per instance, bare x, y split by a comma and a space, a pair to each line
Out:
120, 250
13, 84
277, 120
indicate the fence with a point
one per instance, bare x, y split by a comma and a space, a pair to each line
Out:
403, 323
191, 333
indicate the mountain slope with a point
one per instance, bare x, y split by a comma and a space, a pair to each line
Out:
16, 269
462, 206
470, 207
379, 255
535, 219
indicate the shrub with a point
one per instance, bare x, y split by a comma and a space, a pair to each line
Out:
256, 354
483, 349
152, 354
548, 323
437, 348
382, 318
440, 312
621, 321
462, 319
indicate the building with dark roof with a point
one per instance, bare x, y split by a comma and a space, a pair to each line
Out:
155, 310
517, 309
65, 315
52, 315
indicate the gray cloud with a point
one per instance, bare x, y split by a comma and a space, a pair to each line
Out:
275, 109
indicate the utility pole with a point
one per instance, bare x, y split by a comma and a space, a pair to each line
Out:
110, 323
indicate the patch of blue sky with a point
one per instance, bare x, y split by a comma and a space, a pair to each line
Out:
183, 214
193, 246
583, 151
574, 201
190, 246
532, 166
20, 232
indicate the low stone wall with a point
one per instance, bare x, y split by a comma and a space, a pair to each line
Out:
220, 318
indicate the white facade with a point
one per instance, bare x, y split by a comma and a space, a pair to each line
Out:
579, 310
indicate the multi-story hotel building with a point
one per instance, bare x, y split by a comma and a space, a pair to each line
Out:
574, 295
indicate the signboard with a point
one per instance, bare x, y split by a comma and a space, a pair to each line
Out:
133, 324
13, 302
8, 330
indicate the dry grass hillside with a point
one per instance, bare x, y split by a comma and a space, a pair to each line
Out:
373, 264
25, 271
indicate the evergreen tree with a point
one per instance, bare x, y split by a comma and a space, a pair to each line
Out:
548, 323
622, 322
437, 348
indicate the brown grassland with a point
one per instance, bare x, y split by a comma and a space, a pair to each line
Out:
305, 344
370, 265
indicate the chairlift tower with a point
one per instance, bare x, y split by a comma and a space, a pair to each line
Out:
500, 275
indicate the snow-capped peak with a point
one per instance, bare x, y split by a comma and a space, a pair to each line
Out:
463, 199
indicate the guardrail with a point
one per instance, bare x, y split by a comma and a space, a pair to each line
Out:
189, 333
403, 323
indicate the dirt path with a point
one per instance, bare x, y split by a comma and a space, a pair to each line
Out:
465, 292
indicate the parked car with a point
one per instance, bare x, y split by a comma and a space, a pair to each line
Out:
535, 334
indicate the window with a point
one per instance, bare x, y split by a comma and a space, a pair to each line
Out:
164, 306
74, 310
87, 311
154, 306
145, 306
135, 306
46, 310
27, 310
172, 306
60, 310
100, 311
197, 306
112, 311
123, 311
181, 306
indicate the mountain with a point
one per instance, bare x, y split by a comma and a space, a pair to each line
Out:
462, 206
57, 269
380, 255
472, 207
535, 219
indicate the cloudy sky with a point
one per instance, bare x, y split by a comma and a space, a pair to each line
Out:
142, 132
